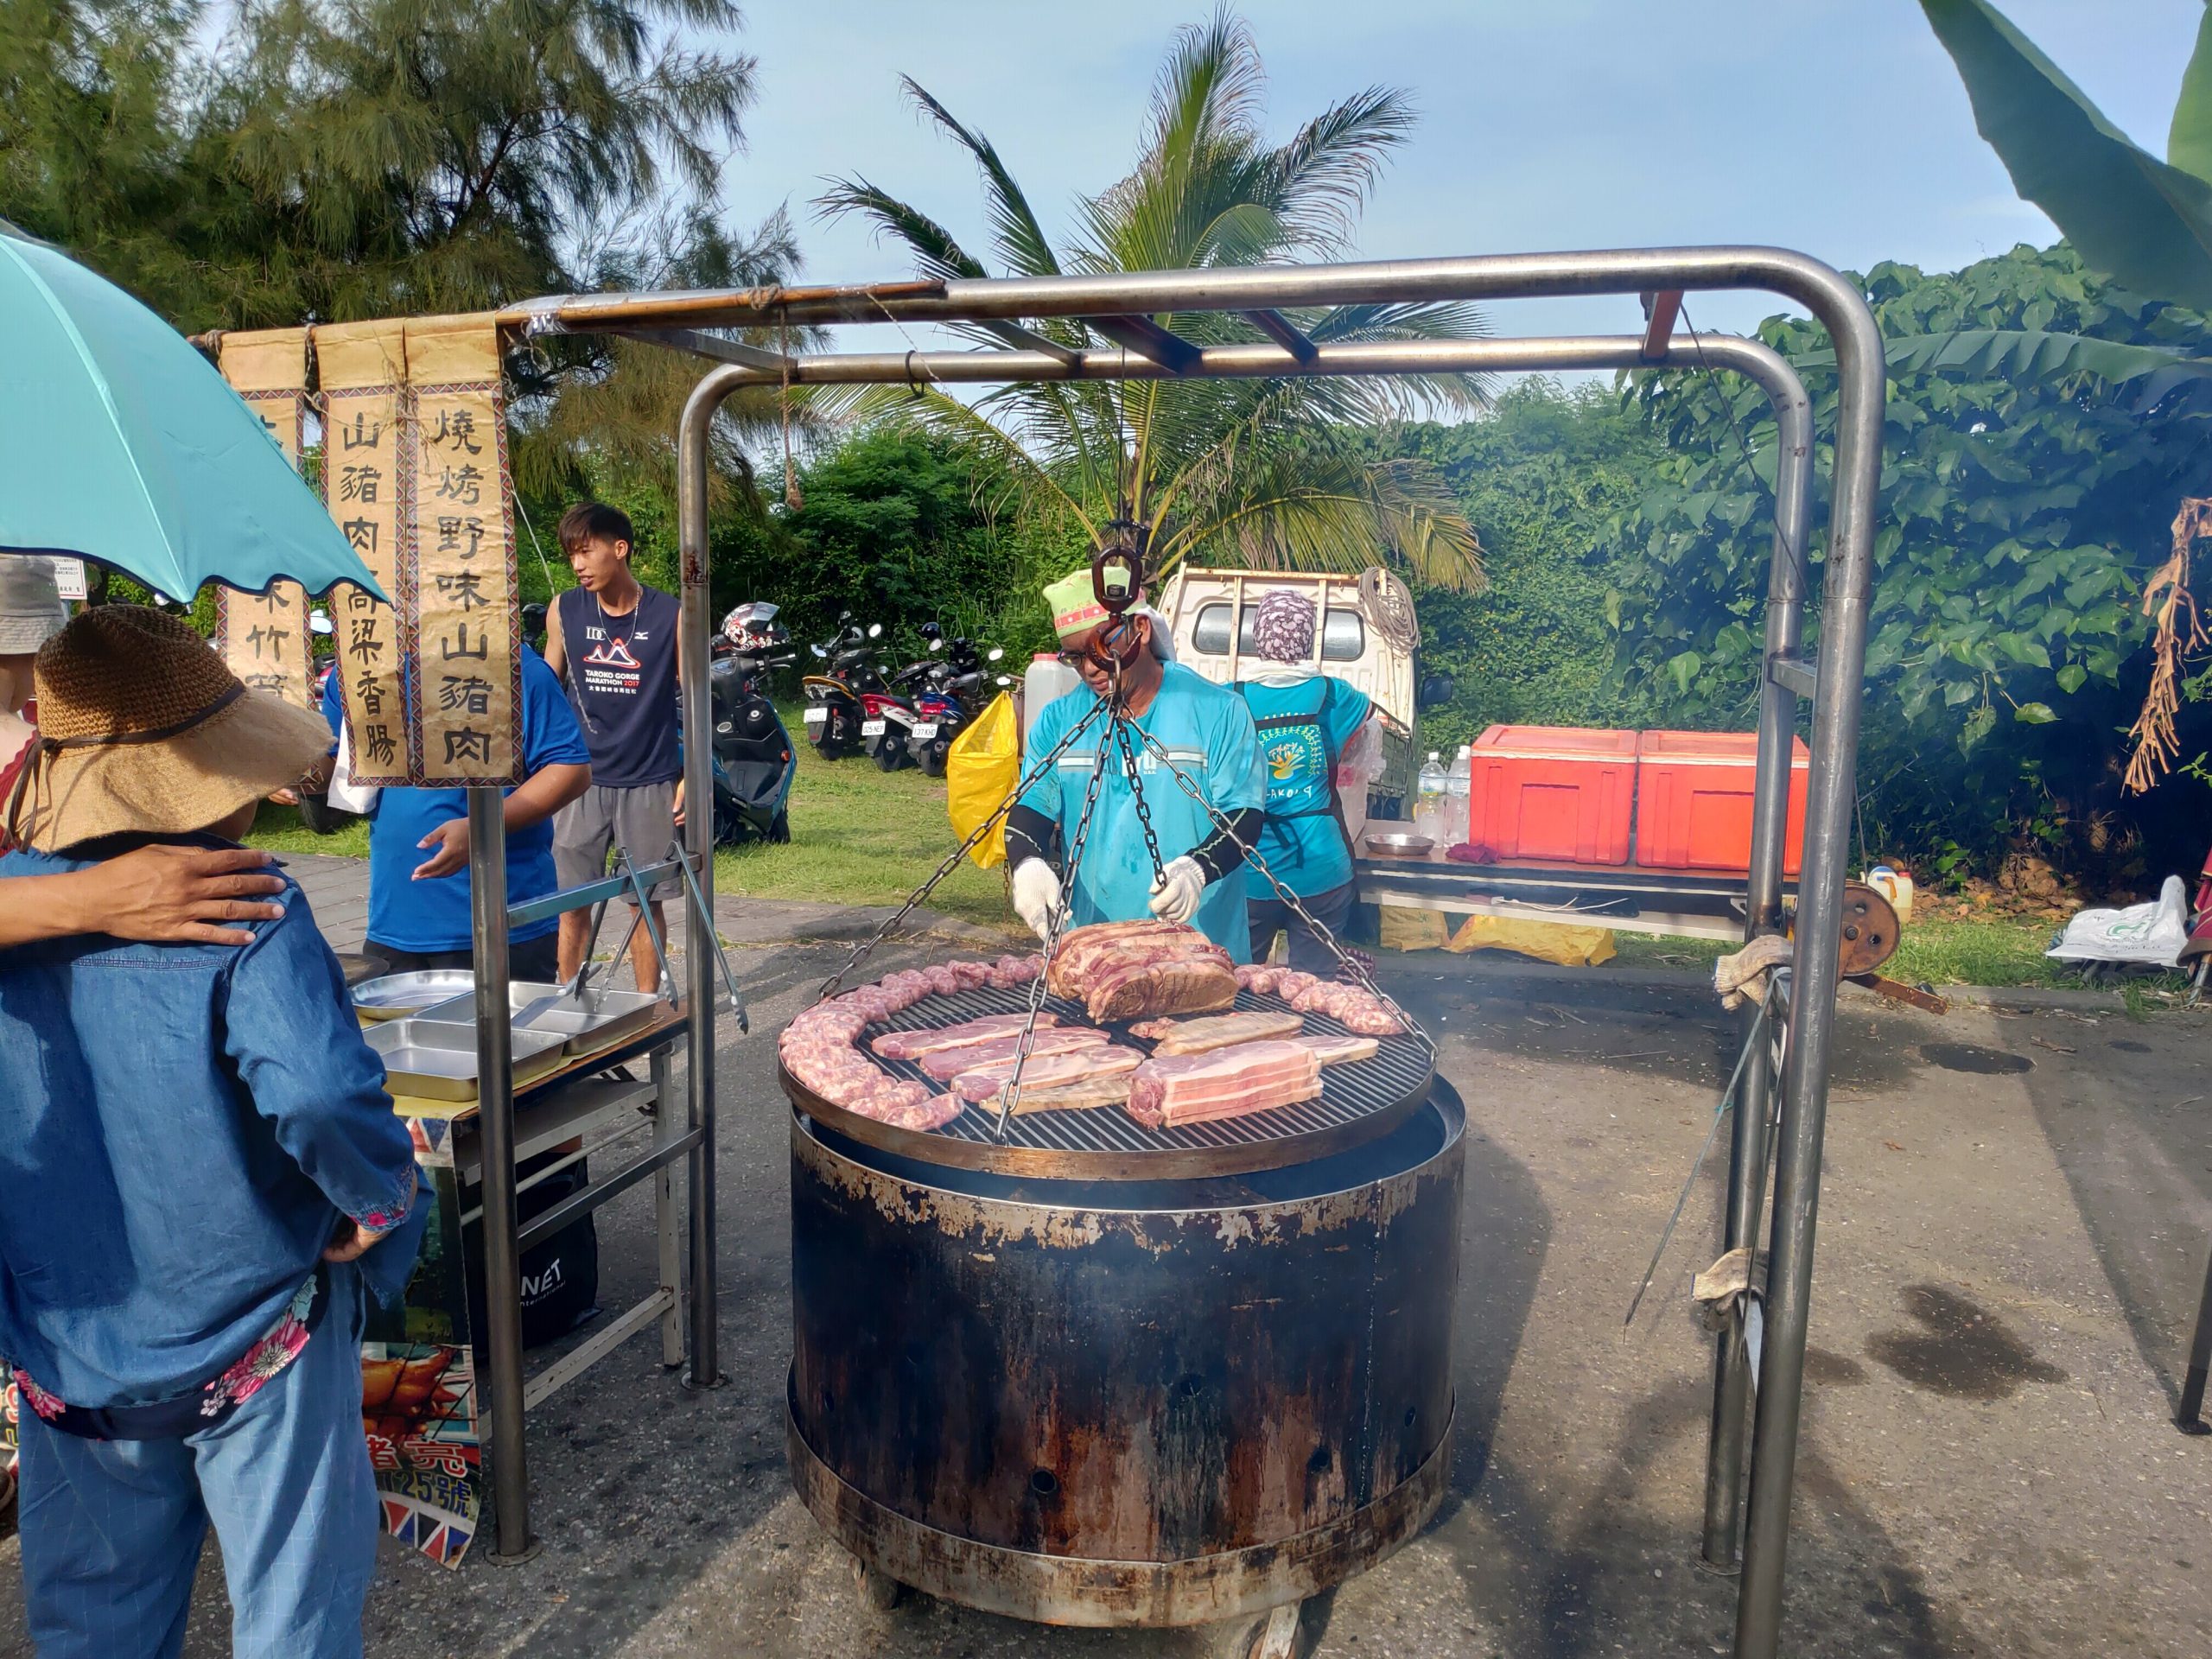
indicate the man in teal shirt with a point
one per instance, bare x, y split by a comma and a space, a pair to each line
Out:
1208, 736
1306, 720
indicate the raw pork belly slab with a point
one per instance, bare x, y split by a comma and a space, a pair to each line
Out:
1225, 1083
1081, 1096
1219, 1031
1049, 1071
913, 1045
1331, 1049
1060, 1039
1136, 970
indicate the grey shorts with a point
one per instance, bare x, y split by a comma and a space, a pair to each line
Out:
642, 820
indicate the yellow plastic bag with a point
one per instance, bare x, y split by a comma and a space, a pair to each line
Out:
981, 769
1403, 928
1560, 942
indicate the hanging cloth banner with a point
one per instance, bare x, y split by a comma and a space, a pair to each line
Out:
264, 638
467, 663
367, 482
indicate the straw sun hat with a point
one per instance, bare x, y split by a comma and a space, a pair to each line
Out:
143, 729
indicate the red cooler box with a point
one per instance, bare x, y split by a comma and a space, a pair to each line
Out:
1553, 792
1693, 800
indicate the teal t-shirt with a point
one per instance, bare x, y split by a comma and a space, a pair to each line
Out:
1301, 727
1208, 732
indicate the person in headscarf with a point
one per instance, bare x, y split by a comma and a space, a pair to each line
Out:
1205, 735
1308, 722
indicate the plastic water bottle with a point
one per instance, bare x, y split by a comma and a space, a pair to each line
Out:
1430, 794
1459, 787
1046, 680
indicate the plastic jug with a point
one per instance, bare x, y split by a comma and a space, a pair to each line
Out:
1430, 795
1045, 679
1459, 785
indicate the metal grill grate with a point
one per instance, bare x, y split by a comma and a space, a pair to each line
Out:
1400, 1067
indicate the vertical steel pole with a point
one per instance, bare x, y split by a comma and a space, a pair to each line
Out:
2190, 1417
1849, 585
495, 1133
699, 844
1785, 622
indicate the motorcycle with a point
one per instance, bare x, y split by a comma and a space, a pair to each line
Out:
837, 714
752, 767
950, 694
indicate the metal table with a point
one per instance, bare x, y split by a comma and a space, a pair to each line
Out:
427, 1419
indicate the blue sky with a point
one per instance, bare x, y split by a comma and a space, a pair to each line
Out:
1836, 126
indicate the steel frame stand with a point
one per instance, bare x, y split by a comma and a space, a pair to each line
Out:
2190, 1417
1126, 307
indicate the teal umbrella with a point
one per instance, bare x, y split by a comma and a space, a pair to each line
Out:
123, 444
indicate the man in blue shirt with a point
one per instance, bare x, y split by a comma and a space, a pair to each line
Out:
418, 844
203, 1180
1207, 734
1306, 720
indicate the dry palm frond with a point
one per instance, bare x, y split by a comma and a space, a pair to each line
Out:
2180, 629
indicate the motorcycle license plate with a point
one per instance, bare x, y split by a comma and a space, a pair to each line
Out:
815, 716
871, 728
926, 729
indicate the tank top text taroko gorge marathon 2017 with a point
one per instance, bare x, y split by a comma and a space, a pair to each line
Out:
622, 673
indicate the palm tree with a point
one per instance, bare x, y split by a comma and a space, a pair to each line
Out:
1270, 474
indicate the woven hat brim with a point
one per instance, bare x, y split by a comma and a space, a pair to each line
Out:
180, 785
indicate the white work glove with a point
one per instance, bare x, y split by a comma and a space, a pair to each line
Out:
1175, 895
1036, 895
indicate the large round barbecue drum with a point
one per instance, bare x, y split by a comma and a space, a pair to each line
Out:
1100, 1374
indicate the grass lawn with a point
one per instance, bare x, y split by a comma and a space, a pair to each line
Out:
860, 836
279, 829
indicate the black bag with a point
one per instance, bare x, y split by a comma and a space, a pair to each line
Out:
560, 1277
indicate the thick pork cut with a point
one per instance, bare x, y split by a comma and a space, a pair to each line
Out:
1138, 970
1224, 1083
1082, 1095
913, 1045
1217, 1031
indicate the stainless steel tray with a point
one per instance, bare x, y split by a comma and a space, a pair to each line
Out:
396, 996
436, 1060
597, 1017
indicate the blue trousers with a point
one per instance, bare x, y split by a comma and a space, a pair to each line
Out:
111, 1530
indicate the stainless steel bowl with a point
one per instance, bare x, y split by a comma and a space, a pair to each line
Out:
1399, 845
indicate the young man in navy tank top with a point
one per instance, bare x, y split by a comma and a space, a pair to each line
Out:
614, 640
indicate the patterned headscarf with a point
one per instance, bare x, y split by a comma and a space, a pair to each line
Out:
1283, 630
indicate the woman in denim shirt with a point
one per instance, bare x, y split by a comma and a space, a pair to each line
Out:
204, 1176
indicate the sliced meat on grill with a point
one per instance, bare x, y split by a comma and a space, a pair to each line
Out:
1359, 1009
1048, 1070
1058, 1040
913, 1045
1258, 977
1332, 1049
1225, 1083
1082, 1095
1219, 1031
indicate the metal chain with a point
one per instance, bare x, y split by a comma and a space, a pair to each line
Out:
1077, 844
1358, 969
1136, 794
914, 900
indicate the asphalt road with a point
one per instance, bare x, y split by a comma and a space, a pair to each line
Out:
2008, 1258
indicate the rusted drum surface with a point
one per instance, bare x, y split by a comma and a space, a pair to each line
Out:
1124, 1402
